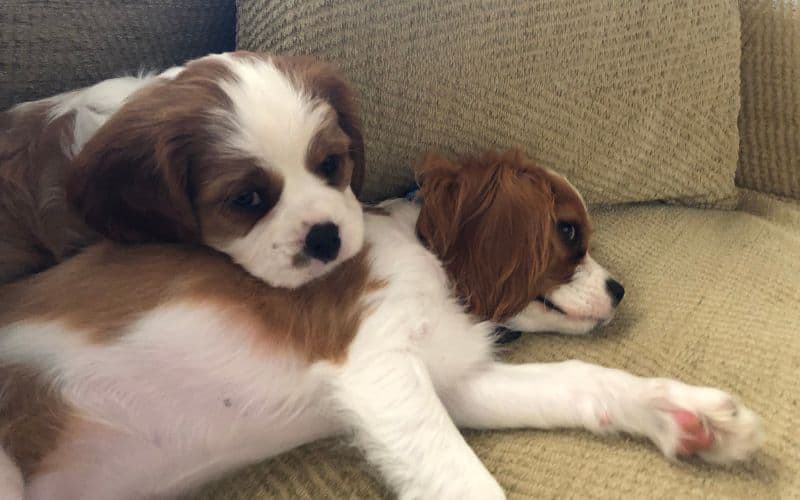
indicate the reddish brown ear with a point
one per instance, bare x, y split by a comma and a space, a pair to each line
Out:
325, 82
437, 225
130, 180
490, 221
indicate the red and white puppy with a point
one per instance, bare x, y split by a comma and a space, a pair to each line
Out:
252, 155
142, 371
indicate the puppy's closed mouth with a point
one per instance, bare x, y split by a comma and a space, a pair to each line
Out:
549, 305
300, 259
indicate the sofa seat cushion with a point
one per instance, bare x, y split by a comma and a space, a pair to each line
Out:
713, 298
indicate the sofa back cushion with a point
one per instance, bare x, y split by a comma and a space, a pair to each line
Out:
633, 101
769, 123
50, 47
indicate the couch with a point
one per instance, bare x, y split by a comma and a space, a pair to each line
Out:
679, 120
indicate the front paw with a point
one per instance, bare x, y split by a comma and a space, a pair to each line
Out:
710, 423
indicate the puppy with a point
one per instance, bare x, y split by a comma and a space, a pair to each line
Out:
256, 156
143, 371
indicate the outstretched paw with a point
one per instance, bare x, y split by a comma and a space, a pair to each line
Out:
705, 422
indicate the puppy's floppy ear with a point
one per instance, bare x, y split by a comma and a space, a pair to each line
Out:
490, 221
437, 225
325, 82
130, 181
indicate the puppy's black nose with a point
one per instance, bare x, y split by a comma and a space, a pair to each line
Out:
322, 242
616, 290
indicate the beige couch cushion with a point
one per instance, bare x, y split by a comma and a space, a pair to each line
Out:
770, 119
631, 100
712, 298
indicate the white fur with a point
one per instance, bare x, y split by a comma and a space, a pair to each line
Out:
184, 396
11, 484
93, 106
584, 301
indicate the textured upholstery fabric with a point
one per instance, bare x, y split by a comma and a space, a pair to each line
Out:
769, 122
632, 100
49, 47
711, 299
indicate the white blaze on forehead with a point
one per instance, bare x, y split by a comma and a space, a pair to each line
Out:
580, 196
272, 118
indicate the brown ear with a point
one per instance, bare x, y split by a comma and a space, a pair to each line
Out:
325, 82
130, 180
437, 225
490, 221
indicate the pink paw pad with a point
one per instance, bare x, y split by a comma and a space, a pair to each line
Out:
695, 437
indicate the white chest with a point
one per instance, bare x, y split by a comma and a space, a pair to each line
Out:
417, 310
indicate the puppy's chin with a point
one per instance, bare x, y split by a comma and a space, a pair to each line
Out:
303, 270
537, 317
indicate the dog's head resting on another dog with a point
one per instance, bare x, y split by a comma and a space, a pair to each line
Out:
514, 238
257, 156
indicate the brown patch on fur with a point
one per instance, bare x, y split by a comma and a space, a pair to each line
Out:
38, 228
324, 81
216, 184
492, 221
331, 144
106, 287
33, 417
374, 210
132, 179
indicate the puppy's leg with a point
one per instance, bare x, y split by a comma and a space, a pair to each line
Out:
680, 419
405, 431
11, 484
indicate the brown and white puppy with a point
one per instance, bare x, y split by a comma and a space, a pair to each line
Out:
142, 371
254, 155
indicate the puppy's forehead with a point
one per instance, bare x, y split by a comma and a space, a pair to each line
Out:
570, 204
272, 117
565, 191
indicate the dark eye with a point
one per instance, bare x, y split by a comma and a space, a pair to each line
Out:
329, 166
569, 234
248, 200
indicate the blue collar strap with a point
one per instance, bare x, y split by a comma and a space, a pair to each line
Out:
413, 195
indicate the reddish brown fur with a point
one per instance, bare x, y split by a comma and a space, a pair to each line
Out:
33, 417
131, 179
331, 141
38, 228
104, 288
491, 220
